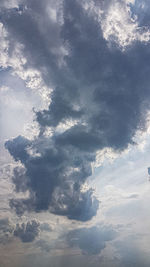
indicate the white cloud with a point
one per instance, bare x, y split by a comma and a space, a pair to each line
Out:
3, 47
16, 60
120, 27
9, 3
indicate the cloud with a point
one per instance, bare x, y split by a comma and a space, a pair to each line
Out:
43, 245
5, 225
45, 227
17, 148
9, 4
44, 178
19, 179
103, 88
21, 205
130, 252
6, 230
120, 26
140, 10
27, 232
90, 240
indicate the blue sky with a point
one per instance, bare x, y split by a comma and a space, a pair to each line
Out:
74, 138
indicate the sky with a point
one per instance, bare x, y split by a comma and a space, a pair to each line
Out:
74, 133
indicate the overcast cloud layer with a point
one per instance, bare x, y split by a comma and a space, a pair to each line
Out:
74, 83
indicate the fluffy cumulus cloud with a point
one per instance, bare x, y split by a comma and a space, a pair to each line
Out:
27, 232
91, 240
100, 80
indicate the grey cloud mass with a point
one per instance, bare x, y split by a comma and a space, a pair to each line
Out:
91, 240
27, 232
6, 230
103, 90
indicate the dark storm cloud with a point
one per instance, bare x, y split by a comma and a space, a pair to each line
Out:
19, 179
104, 89
90, 240
21, 205
75, 204
59, 110
17, 148
54, 180
27, 232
